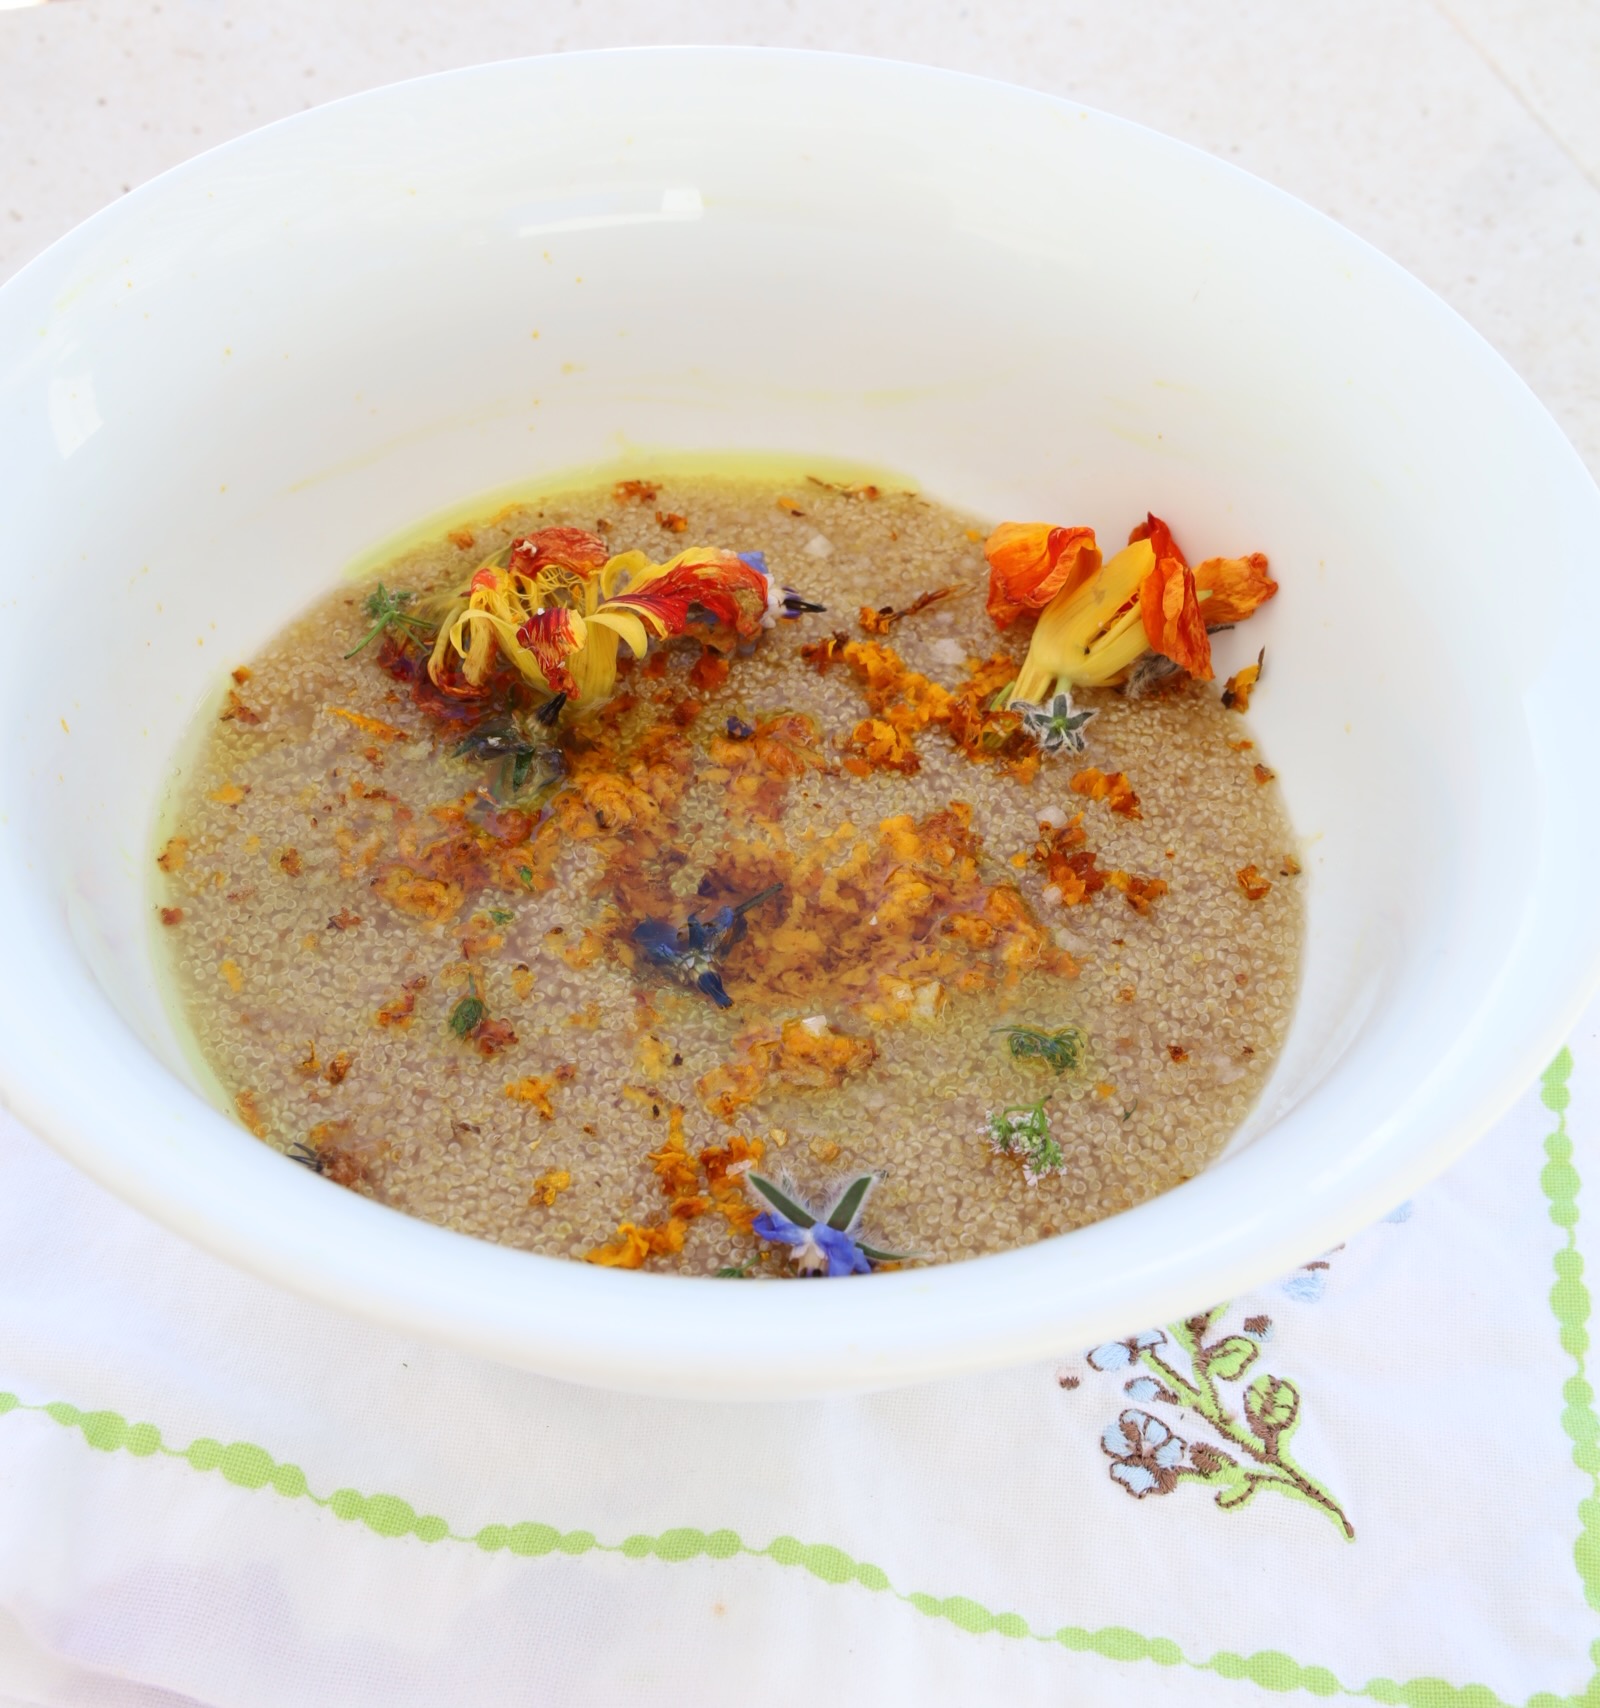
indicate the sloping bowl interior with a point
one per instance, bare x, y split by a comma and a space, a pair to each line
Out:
218, 392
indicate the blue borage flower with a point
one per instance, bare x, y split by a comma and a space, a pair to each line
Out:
781, 601
823, 1242
692, 954
1055, 725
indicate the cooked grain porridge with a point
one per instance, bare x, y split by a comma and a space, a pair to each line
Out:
766, 917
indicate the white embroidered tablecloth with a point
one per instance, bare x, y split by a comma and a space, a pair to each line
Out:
1375, 1476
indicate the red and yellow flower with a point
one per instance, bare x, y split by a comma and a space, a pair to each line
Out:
556, 604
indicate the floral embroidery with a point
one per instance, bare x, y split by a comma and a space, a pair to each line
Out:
1190, 1367
1146, 1457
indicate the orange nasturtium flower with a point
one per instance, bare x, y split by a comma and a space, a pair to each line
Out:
557, 605
1031, 563
1099, 618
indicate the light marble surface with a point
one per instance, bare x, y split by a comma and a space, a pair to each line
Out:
1460, 136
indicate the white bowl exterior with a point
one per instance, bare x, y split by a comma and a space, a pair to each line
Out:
218, 392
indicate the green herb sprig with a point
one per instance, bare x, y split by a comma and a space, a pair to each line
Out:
1064, 1050
1023, 1132
389, 611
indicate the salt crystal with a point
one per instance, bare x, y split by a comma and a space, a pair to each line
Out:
819, 546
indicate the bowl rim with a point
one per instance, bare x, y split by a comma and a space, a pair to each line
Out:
690, 1335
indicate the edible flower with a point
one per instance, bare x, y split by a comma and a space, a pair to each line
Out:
1022, 1132
1098, 619
557, 605
1057, 727
692, 954
1031, 563
820, 1242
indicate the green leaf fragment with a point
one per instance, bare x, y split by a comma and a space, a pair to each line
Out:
1064, 1050
787, 1207
469, 1012
501, 915
850, 1202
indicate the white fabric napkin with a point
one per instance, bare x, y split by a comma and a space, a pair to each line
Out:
212, 1492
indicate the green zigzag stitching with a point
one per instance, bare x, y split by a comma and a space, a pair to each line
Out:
251, 1467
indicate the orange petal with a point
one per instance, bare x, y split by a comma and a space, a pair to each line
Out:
567, 548
552, 636
1030, 563
1230, 588
1170, 609
1153, 529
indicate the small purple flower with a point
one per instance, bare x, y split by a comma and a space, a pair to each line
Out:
1119, 1354
818, 1250
1146, 1457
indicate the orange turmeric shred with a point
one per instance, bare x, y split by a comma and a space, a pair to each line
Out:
1113, 788
805, 1055
549, 1186
1138, 892
536, 1089
374, 727
634, 1245
1237, 690
1252, 883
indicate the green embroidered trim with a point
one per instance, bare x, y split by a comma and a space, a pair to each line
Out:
251, 1467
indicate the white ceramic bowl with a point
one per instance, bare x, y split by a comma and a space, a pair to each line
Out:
216, 393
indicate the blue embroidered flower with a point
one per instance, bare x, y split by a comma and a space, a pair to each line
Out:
1308, 1284
1145, 1388
1119, 1354
1146, 1457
